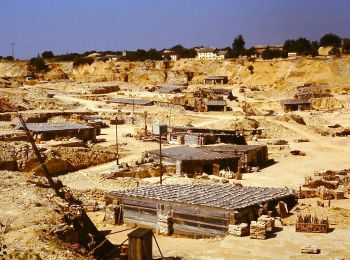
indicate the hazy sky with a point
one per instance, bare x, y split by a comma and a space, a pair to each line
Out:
81, 25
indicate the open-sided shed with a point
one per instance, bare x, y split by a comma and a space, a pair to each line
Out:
49, 131
196, 210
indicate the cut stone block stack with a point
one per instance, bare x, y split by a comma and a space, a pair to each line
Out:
258, 230
238, 230
338, 194
310, 250
164, 224
270, 222
324, 193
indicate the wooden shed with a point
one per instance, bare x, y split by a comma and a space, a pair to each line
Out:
50, 131
295, 104
196, 210
213, 80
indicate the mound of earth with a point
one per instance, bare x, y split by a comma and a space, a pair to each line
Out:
27, 216
244, 123
292, 117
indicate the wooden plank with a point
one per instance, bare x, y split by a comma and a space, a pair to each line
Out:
198, 223
204, 219
125, 206
196, 231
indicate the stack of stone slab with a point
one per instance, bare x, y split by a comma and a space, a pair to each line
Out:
258, 230
324, 193
270, 222
238, 230
164, 224
310, 250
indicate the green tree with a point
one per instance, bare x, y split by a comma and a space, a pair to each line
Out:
330, 39
346, 46
238, 46
153, 54
9, 58
79, 61
314, 48
37, 64
268, 54
300, 46
47, 55
335, 51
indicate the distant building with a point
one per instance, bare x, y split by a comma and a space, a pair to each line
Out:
210, 54
51, 131
292, 54
295, 105
212, 80
170, 55
260, 48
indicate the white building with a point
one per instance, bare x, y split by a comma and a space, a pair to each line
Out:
170, 55
210, 54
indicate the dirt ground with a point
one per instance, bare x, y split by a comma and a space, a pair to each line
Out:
29, 209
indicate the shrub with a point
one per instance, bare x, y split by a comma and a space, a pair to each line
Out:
82, 61
38, 65
47, 54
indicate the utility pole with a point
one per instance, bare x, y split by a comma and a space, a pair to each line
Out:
145, 114
133, 111
13, 50
160, 158
169, 113
116, 138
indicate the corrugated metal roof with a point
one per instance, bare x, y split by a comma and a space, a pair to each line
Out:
132, 101
203, 50
216, 196
170, 89
185, 153
48, 127
215, 77
294, 101
212, 102
229, 148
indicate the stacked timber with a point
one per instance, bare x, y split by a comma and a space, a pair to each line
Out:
238, 230
164, 223
311, 224
258, 230
270, 222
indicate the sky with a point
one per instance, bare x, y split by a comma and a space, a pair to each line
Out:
84, 25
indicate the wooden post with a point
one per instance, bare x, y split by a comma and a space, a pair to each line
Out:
160, 158
133, 111
145, 114
140, 244
116, 138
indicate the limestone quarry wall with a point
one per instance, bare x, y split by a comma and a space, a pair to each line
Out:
277, 73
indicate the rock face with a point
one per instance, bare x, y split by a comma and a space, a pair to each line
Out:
59, 160
277, 73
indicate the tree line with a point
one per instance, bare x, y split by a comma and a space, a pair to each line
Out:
300, 46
